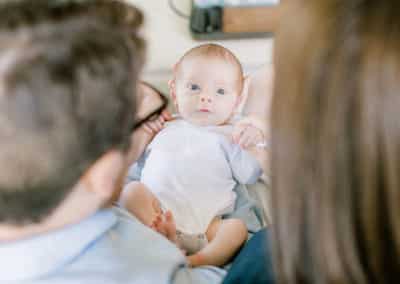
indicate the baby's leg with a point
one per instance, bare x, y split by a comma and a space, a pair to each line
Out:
225, 238
142, 203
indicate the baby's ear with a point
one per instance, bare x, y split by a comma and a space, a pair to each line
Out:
242, 98
171, 87
171, 83
172, 92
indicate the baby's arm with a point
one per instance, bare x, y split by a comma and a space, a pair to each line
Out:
145, 134
256, 110
141, 202
154, 126
246, 168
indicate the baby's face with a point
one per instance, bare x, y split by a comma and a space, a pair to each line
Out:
207, 90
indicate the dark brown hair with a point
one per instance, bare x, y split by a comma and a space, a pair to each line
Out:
336, 142
67, 85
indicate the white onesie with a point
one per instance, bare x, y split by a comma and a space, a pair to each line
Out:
193, 170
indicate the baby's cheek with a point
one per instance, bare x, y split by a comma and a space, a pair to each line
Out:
185, 100
228, 106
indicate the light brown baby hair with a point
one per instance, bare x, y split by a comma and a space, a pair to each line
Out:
211, 50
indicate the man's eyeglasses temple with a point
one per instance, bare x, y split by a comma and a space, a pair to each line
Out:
156, 112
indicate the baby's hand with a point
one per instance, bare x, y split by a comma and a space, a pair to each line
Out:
247, 135
152, 127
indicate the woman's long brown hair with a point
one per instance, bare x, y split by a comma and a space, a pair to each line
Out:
336, 142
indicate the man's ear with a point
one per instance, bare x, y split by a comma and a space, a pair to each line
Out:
104, 178
242, 98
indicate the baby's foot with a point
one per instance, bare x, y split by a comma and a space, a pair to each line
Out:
196, 259
165, 225
156, 225
170, 227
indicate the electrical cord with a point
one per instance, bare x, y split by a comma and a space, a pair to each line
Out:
171, 4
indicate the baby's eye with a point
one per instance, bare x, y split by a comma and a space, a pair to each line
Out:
194, 87
221, 92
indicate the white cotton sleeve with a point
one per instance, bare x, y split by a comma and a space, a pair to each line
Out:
245, 168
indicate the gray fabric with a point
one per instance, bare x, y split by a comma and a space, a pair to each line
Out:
191, 243
246, 209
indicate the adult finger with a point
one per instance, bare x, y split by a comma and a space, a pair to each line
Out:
147, 128
153, 126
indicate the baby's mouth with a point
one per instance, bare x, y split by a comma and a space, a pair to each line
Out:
204, 110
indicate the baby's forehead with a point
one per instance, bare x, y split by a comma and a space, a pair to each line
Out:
216, 66
199, 55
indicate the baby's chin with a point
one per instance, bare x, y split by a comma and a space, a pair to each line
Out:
205, 121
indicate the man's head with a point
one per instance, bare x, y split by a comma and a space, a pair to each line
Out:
207, 84
66, 89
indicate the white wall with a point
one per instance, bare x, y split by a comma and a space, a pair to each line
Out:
168, 37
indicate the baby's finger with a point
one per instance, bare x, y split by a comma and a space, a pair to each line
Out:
166, 115
245, 139
158, 125
169, 217
161, 119
249, 142
237, 133
170, 227
159, 225
256, 137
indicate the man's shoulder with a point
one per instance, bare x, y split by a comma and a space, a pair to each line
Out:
128, 252
134, 235
110, 246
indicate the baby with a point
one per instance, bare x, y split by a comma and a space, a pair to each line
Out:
190, 170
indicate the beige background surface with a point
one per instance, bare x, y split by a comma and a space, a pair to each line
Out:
168, 37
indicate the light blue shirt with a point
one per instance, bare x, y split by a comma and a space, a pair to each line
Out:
109, 247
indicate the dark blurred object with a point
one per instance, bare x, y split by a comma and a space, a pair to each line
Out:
253, 264
230, 22
206, 20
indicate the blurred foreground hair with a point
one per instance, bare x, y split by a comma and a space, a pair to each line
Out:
67, 83
336, 142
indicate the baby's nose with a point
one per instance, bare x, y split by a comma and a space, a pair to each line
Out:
205, 99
